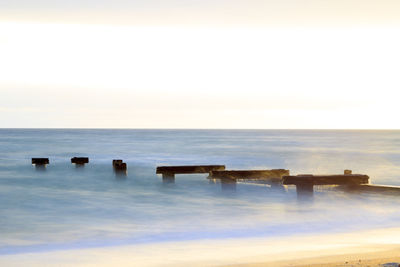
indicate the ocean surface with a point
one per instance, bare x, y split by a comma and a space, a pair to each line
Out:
65, 207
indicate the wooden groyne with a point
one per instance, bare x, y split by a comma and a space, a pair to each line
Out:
305, 182
373, 188
275, 177
169, 172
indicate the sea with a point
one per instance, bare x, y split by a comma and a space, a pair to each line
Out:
63, 206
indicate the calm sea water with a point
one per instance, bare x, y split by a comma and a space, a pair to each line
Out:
64, 207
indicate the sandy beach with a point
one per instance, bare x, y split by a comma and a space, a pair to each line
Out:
387, 258
368, 248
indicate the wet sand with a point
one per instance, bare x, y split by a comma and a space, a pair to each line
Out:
368, 248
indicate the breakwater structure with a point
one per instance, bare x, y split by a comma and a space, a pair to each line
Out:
280, 178
275, 178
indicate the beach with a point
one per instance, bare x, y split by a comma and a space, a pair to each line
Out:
368, 248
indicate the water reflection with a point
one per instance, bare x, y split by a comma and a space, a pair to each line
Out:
79, 166
120, 174
39, 167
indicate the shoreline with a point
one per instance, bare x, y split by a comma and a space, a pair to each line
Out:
390, 256
376, 246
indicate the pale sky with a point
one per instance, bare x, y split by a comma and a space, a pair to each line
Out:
200, 64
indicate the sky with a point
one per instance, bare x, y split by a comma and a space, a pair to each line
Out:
200, 64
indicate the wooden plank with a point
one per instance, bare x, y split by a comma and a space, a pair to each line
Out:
274, 174
80, 160
370, 188
188, 169
339, 179
40, 161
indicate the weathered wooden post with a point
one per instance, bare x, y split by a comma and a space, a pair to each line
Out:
79, 161
116, 161
347, 172
120, 167
40, 163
